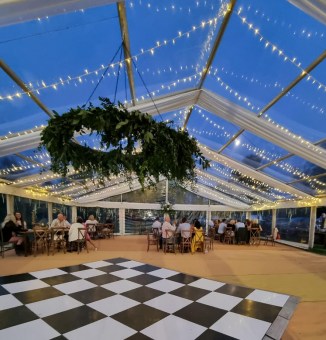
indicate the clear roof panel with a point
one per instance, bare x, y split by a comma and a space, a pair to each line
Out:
253, 150
13, 167
295, 169
62, 74
247, 182
177, 34
265, 46
225, 189
210, 129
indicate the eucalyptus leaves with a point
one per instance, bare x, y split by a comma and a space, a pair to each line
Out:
133, 143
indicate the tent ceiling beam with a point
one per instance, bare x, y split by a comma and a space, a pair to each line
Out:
233, 186
21, 84
217, 196
306, 178
260, 127
211, 57
303, 74
224, 160
126, 48
286, 156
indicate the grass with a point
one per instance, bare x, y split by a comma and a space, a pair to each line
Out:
318, 249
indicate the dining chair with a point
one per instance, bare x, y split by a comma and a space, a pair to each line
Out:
229, 236
41, 239
169, 242
185, 243
153, 239
81, 241
58, 240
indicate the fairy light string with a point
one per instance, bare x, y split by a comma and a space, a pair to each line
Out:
278, 51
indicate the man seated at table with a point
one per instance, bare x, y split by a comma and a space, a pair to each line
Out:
157, 230
60, 222
91, 226
157, 225
221, 229
183, 230
166, 226
73, 233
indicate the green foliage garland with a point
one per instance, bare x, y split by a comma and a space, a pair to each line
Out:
167, 208
134, 144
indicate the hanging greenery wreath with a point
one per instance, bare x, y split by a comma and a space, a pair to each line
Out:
132, 143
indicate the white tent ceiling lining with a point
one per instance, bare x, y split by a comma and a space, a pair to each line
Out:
207, 152
23, 10
262, 128
212, 103
16, 11
217, 196
232, 186
315, 8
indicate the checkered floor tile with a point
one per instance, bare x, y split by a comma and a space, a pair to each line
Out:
124, 299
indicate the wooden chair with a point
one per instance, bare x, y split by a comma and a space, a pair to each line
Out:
269, 238
185, 243
4, 245
153, 239
92, 230
229, 236
81, 241
254, 236
209, 239
58, 240
169, 242
108, 230
41, 239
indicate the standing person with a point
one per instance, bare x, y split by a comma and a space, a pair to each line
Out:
20, 221
221, 229
248, 228
240, 233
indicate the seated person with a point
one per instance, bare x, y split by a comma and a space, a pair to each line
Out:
198, 238
157, 225
10, 231
183, 229
221, 229
20, 221
91, 223
166, 226
73, 231
60, 222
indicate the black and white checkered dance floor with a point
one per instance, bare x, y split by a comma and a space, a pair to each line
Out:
120, 299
